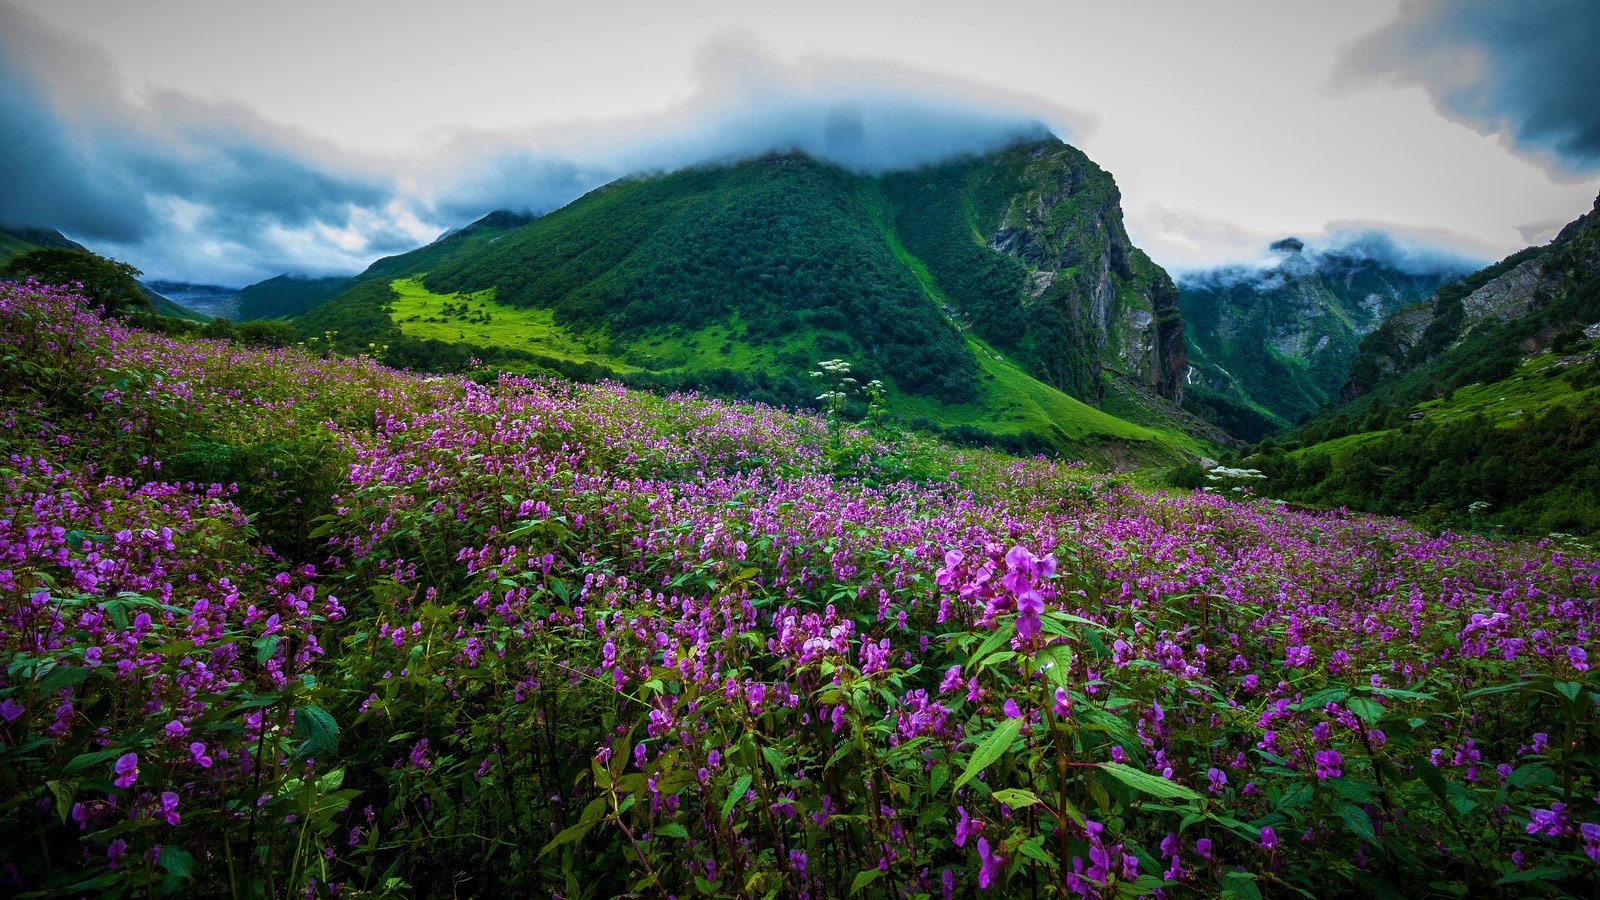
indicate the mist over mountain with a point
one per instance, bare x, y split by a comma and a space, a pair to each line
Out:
1271, 342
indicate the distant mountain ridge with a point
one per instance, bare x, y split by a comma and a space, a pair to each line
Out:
1270, 345
1479, 406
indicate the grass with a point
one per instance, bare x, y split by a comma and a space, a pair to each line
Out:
1012, 402
1536, 386
421, 314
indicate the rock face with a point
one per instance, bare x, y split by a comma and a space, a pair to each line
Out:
1279, 338
1063, 287
1066, 226
1533, 284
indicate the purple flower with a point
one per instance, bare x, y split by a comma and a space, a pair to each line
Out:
169, 807
1552, 821
10, 709
966, 826
1218, 778
991, 864
1269, 838
127, 769
1579, 658
1328, 764
952, 679
1011, 709
114, 850
198, 751
1202, 846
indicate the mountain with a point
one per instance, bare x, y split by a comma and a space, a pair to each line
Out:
16, 240
1478, 328
207, 299
285, 296
1478, 407
998, 297
1270, 345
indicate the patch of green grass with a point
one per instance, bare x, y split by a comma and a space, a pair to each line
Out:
477, 319
1536, 385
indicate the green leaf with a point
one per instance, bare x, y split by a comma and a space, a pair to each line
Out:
1017, 798
1241, 885
85, 760
1569, 689
176, 862
1295, 796
1357, 821
65, 793
319, 729
1031, 849
1369, 711
735, 794
995, 639
1538, 873
568, 835
672, 830
865, 878
1144, 782
1323, 698
266, 648
997, 743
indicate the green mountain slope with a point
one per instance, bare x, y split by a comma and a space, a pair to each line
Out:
1271, 345
998, 297
1479, 328
16, 240
287, 296
1488, 394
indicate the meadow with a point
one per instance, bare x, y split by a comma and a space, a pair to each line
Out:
285, 624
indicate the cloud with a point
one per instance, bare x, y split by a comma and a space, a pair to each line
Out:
866, 116
204, 190
183, 188
1240, 254
1523, 71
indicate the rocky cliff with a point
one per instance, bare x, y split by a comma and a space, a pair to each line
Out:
1515, 306
1081, 301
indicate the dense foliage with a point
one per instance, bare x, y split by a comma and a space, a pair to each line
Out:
278, 623
783, 240
107, 283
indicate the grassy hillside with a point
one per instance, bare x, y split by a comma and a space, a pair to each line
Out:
738, 279
286, 296
1012, 409
1525, 449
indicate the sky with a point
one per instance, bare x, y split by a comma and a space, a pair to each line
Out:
224, 142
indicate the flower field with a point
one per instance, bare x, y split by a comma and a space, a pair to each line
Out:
279, 625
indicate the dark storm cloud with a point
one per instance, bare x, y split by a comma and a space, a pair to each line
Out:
201, 190
1527, 69
160, 179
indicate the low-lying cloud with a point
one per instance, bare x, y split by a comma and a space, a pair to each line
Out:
1416, 253
199, 190
1524, 71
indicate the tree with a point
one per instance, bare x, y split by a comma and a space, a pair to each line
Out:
105, 282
